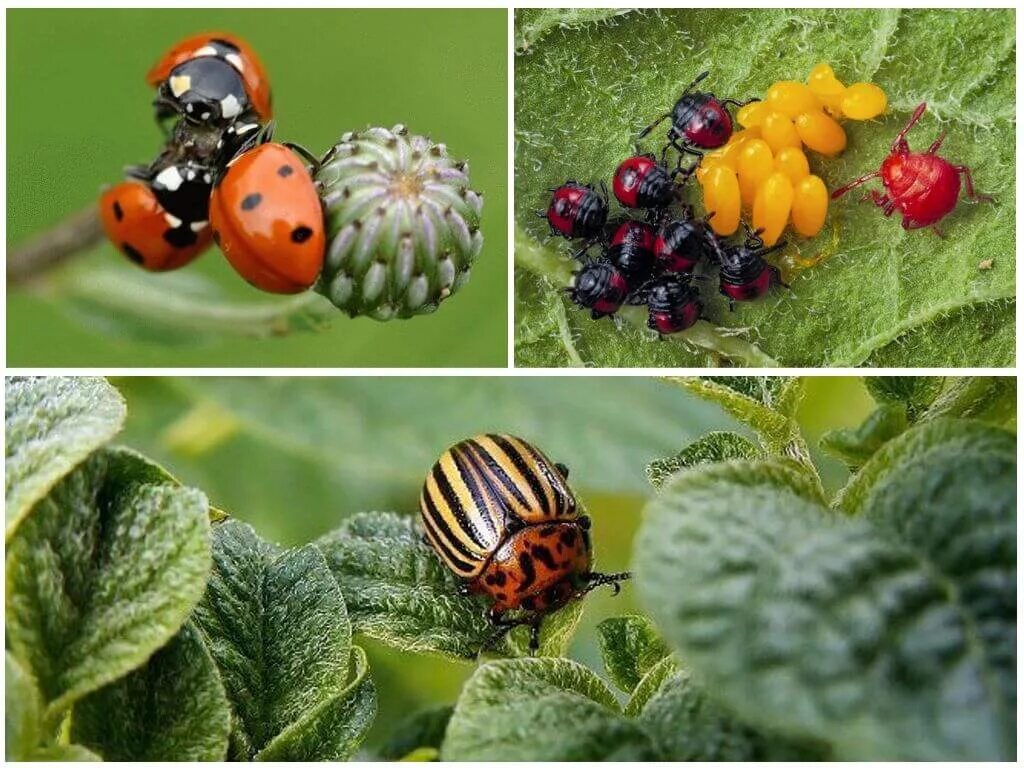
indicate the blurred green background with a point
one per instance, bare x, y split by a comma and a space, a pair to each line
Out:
78, 110
295, 456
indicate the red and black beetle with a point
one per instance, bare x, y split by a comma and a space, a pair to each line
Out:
743, 273
599, 287
632, 251
681, 244
673, 304
577, 211
923, 186
700, 121
642, 182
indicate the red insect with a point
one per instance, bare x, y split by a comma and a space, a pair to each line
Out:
231, 49
267, 219
641, 182
576, 211
139, 227
923, 186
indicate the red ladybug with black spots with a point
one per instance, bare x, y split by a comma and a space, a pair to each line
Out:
267, 217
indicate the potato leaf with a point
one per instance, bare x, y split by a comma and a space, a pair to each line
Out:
630, 647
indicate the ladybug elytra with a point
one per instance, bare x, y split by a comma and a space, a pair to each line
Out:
501, 516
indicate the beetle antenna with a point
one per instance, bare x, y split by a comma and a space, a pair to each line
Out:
652, 126
901, 137
697, 80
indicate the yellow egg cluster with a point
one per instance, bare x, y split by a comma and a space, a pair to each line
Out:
763, 168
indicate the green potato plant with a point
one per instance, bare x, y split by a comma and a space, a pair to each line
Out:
779, 621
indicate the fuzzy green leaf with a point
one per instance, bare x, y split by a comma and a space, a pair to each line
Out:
399, 592
277, 628
711, 448
932, 301
856, 445
630, 646
334, 728
22, 711
417, 735
51, 424
915, 393
816, 625
987, 398
102, 573
540, 710
173, 708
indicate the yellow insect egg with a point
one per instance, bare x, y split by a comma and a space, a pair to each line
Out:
863, 101
778, 130
722, 195
821, 133
752, 114
810, 205
792, 98
827, 87
772, 205
755, 164
793, 162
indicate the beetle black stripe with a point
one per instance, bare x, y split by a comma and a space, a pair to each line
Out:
454, 507
495, 470
447, 542
479, 495
561, 493
519, 462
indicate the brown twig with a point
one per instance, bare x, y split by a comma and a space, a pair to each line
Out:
77, 233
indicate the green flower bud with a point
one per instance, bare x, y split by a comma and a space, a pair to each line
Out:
403, 226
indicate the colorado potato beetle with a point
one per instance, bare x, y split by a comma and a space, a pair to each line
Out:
500, 515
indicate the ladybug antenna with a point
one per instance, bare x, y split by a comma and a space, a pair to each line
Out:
595, 580
697, 80
653, 125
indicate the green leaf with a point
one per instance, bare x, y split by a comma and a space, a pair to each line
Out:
533, 23
173, 708
277, 628
540, 710
712, 447
816, 625
418, 735
334, 728
630, 646
579, 108
685, 725
22, 711
399, 592
103, 573
61, 753
915, 393
988, 398
854, 446
51, 424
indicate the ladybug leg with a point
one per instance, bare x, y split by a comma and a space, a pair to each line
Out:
936, 144
736, 103
308, 156
653, 125
980, 197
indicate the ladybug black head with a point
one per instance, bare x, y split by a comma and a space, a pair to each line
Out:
205, 91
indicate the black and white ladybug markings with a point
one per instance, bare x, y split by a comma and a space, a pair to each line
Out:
205, 91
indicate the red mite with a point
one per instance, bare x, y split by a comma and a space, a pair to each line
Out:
921, 185
699, 120
641, 182
577, 211
599, 287
673, 305
632, 250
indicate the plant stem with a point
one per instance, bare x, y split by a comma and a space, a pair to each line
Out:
72, 235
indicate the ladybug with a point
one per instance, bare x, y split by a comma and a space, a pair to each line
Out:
681, 244
267, 218
139, 227
743, 273
205, 91
500, 515
700, 121
922, 186
577, 211
599, 287
182, 188
673, 304
232, 49
641, 182
632, 250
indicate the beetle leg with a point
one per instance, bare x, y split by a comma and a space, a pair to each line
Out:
980, 197
836, 194
937, 231
936, 144
534, 637
736, 103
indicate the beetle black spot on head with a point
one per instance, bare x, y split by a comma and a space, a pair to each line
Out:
131, 253
301, 234
251, 201
118, 213
285, 171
